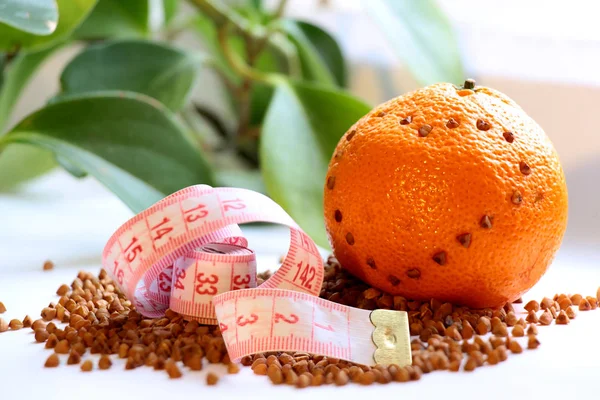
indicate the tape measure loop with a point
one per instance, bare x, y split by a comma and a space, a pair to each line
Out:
146, 247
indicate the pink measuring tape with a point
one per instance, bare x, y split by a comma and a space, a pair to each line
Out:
188, 253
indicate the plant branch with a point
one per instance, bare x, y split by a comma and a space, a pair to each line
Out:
222, 15
280, 9
246, 90
261, 43
236, 64
256, 39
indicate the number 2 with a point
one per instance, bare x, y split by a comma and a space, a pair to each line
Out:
292, 319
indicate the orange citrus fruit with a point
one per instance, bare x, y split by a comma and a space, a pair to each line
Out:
452, 193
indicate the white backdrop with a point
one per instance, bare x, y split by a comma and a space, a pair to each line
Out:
546, 55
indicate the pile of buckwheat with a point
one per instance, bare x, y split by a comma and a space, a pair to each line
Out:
93, 316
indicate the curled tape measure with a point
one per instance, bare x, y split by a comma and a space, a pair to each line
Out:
188, 253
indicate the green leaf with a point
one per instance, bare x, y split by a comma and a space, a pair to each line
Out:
301, 130
22, 162
328, 50
19, 163
256, 4
2, 66
157, 70
18, 74
117, 18
38, 17
134, 192
260, 97
71, 14
170, 9
423, 38
127, 141
314, 67
70, 167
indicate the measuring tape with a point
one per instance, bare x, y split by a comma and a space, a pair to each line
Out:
188, 253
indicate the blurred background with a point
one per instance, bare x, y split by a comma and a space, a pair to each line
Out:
543, 54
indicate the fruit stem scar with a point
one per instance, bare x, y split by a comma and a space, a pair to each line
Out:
469, 84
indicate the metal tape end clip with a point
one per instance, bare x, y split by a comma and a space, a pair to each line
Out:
391, 337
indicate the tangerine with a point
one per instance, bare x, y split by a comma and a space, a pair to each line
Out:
446, 192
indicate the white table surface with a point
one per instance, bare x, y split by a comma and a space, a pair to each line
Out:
69, 221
